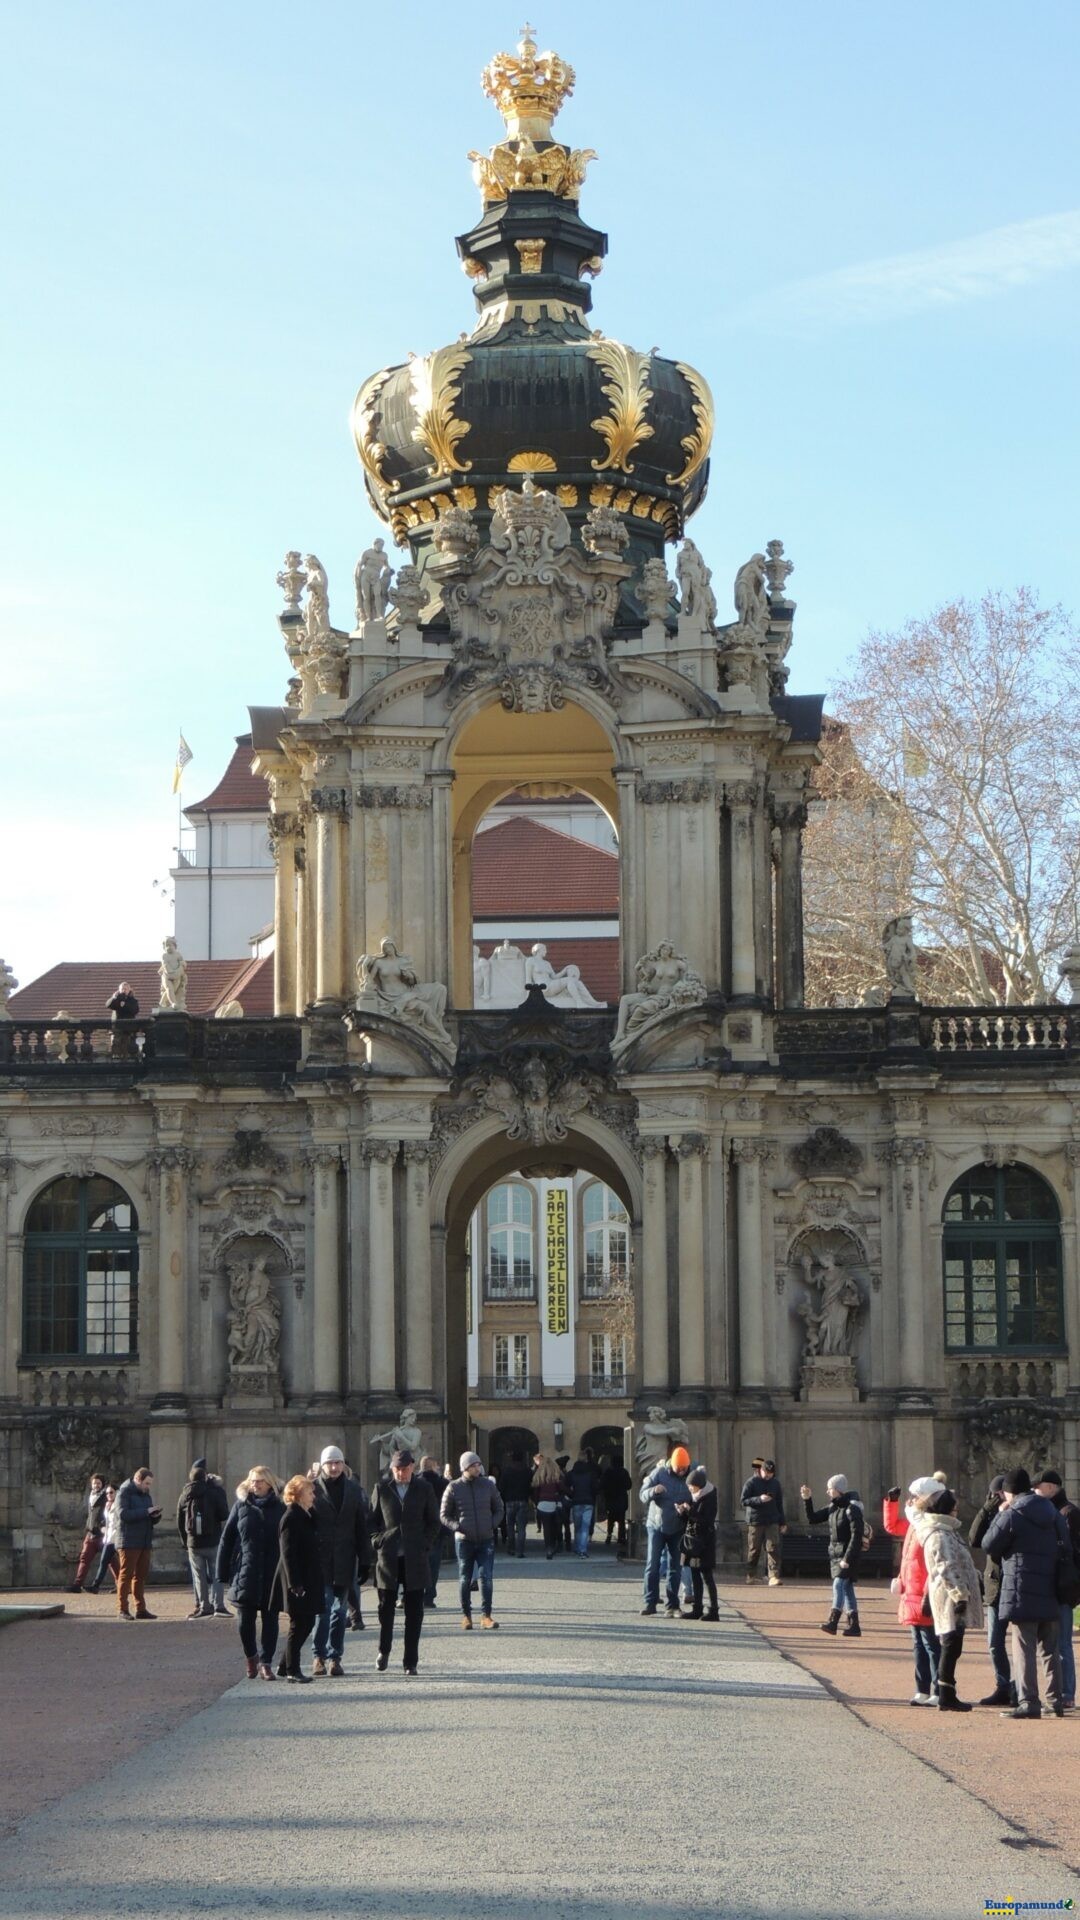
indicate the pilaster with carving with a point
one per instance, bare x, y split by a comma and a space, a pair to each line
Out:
330, 806
174, 1163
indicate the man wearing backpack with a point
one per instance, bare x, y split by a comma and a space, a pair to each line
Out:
201, 1513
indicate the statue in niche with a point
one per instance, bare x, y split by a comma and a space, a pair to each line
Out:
317, 588
389, 985
832, 1305
565, 989
751, 600
404, 1434
695, 585
254, 1318
481, 979
659, 1437
173, 976
372, 579
506, 980
899, 950
666, 983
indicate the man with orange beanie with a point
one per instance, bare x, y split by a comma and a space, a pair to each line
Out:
663, 1491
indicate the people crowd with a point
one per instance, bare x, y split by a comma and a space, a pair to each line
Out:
306, 1549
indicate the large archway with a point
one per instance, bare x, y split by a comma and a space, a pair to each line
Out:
479, 1162
496, 752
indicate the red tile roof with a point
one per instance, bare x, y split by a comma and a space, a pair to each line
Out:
596, 960
81, 987
521, 868
239, 790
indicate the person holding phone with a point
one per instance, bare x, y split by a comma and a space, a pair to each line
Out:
138, 1518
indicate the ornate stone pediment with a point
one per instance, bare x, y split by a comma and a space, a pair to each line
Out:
826, 1151
536, 1101
529, 613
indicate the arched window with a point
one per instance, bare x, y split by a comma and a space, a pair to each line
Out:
1002, 1258
605, 1240
511, 1267
80, 1271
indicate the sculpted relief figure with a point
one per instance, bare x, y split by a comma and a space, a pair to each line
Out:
388, 984
565, 989
751, 600
254, 1317
372, 578
481, 979
666, 983
832, 1304
899, 950
405, 1434
695, 585
317, 588
173, 975
506, 976
659, 1436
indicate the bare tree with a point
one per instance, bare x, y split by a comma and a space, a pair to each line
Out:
950, 788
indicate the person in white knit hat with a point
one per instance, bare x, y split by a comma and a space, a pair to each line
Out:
910, 1584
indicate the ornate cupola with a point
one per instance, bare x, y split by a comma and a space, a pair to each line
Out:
533, 389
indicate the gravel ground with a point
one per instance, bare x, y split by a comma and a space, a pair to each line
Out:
1029, 1773
582, 1761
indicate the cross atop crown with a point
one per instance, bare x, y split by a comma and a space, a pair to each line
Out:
528, 87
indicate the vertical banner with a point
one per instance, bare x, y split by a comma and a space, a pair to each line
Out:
558, 1266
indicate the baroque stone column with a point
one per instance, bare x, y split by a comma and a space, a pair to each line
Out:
654, 1275
790, 817
907, 1157
382, 1357
690, 1150
741, 798
419, 1375
749, 1156
282, 832
173, 1164
331, 807
10, 1288
324, 1160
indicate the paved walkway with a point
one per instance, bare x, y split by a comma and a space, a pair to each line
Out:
580, 1762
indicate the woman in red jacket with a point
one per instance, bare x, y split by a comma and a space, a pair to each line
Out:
910, 1584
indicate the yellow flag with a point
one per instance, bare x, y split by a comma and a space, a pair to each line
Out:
183, 755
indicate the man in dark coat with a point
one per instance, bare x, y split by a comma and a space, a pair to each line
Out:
763, 1505
405, 1527
124, 1007
515, 1485
584, 1484
138, 1518
615, 1485
1029, 1536
343, 1520
201, 1513
997, 1629
438, 1482
1049, 1484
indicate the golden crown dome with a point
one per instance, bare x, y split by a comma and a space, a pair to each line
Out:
528, 88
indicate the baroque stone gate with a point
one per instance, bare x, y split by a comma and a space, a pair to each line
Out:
830, 1264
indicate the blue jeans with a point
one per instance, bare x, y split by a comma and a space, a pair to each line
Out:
1067, 1652
582, 1528
517, 1519
332, 1621
475, 1557
843, 1594
927, 1651
655, 1545
997, 1639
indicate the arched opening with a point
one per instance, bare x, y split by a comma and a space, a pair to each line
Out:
543, 757
545, 900
80, 1272
530, 1342
506, 1442
1001, 1251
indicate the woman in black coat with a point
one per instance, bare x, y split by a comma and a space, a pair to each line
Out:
301, 1572
699, 1544
845, 1518
248, 1559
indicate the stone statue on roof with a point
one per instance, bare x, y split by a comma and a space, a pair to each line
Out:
174, 978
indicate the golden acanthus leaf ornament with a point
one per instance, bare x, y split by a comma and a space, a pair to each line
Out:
433, 393
371, 450
695, 445
625, 427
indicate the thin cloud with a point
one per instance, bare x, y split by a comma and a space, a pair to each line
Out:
977, 268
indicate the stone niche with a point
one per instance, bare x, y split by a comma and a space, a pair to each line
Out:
255, 1274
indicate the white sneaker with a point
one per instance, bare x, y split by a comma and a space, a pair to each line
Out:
921, 1700
774, 1582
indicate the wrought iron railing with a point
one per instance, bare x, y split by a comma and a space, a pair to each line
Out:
599, 1283
509, 1286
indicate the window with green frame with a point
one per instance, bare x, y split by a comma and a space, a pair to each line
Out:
1002, 1263
80, 1272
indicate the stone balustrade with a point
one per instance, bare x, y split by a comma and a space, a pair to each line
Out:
134, 1048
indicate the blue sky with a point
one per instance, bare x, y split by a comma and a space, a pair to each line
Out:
862, 223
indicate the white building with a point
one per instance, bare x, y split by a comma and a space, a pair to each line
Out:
224, 873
